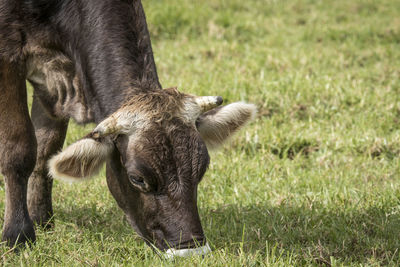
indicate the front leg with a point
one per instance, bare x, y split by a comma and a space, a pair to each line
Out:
17, 152
50, 135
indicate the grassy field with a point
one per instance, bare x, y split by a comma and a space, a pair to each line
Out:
314, 180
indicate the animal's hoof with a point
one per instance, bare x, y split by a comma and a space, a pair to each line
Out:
19, 233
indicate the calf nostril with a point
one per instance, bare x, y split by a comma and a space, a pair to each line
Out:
199, 241
196, 241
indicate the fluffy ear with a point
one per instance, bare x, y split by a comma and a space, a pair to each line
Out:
80, 160
217, 125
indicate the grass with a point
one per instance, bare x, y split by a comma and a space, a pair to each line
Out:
314, 180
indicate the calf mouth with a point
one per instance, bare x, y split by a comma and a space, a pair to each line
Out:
198, 245
195, 242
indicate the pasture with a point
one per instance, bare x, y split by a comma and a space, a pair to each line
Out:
314, 180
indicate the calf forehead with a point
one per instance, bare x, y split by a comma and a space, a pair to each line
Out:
157, 105
175, 150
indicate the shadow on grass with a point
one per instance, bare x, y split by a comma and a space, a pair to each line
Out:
110, 222
311, 233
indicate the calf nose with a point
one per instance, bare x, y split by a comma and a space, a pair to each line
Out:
195, 241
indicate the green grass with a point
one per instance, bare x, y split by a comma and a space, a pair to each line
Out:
314, 180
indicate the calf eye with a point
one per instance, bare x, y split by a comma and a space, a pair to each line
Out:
136, 180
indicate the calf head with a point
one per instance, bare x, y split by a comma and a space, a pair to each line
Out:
155, 147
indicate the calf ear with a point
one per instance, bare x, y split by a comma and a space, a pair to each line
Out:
218, 124
80, 160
